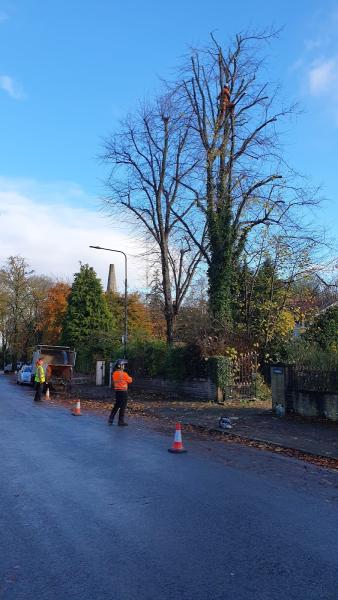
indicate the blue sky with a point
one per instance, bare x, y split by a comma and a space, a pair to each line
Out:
70, 69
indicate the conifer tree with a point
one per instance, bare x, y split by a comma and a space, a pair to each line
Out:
87, 313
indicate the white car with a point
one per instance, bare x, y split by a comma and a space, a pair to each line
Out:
24, 375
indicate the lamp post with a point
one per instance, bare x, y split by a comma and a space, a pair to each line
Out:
125, 337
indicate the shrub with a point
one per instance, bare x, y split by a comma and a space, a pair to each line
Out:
310, 354
324, 330
145, 358
263, 391
155, 359
220, 371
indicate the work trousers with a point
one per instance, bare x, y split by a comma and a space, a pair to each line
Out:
121, 399
38, 391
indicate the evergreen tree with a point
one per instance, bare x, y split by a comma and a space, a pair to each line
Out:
87, 313
324, 330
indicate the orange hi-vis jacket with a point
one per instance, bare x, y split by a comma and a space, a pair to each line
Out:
121, 380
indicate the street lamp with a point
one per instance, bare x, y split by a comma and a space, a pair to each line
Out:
125, 296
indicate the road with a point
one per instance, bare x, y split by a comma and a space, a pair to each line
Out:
91, 512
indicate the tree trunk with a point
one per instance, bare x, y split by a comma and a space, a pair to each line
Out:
220, 270
168, 303
220, 280
170, 322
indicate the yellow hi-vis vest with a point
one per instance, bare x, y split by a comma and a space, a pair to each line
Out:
40, 374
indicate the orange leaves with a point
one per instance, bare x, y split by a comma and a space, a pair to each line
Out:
54, 310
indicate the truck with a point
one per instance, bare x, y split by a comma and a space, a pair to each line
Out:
58, 363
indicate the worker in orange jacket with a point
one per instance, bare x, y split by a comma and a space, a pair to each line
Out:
120, 381
225, 102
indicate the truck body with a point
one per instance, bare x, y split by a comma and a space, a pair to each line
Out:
58, 363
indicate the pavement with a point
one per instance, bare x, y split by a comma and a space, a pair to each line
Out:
252, 421
96, 512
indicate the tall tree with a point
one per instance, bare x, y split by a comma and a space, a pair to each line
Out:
151, 169
54, 311
140, 325
22, 298
247, 184
15, 289
33, 322
87, 312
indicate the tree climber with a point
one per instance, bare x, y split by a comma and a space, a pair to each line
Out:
224, 101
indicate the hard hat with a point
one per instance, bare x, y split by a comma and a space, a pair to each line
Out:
120, 362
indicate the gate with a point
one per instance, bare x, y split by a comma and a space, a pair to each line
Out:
242, 380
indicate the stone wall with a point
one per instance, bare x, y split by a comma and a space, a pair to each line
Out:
193, 389
307, 403
198, 389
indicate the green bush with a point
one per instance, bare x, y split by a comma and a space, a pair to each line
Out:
155, 359
263, 391
220, 371
310, 354
185, 362
145, 358
84, 362
97, 346
324, 330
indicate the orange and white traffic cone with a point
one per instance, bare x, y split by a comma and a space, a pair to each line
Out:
47, 394
177, 447
77, 410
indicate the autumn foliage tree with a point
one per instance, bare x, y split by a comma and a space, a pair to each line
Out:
140, 324
54, 310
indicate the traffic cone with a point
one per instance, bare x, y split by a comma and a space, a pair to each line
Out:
77, 410
177, 447
47, 394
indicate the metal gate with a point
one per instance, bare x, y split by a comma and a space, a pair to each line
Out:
242, 381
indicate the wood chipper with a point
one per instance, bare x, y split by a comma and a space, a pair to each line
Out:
58, 363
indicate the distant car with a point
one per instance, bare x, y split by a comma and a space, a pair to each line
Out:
9, 368
24, 375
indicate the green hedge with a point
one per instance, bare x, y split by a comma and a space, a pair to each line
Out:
309, 354
220, 371
156, 359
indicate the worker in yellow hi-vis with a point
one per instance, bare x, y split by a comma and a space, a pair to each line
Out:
39, 380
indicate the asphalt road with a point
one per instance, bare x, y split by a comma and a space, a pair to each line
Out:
91, 512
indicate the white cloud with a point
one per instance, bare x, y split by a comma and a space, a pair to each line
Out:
317, 66
53, 235
13, 89
323, 77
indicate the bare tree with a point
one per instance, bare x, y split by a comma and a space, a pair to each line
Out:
21, 297
247, 184
152, 167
